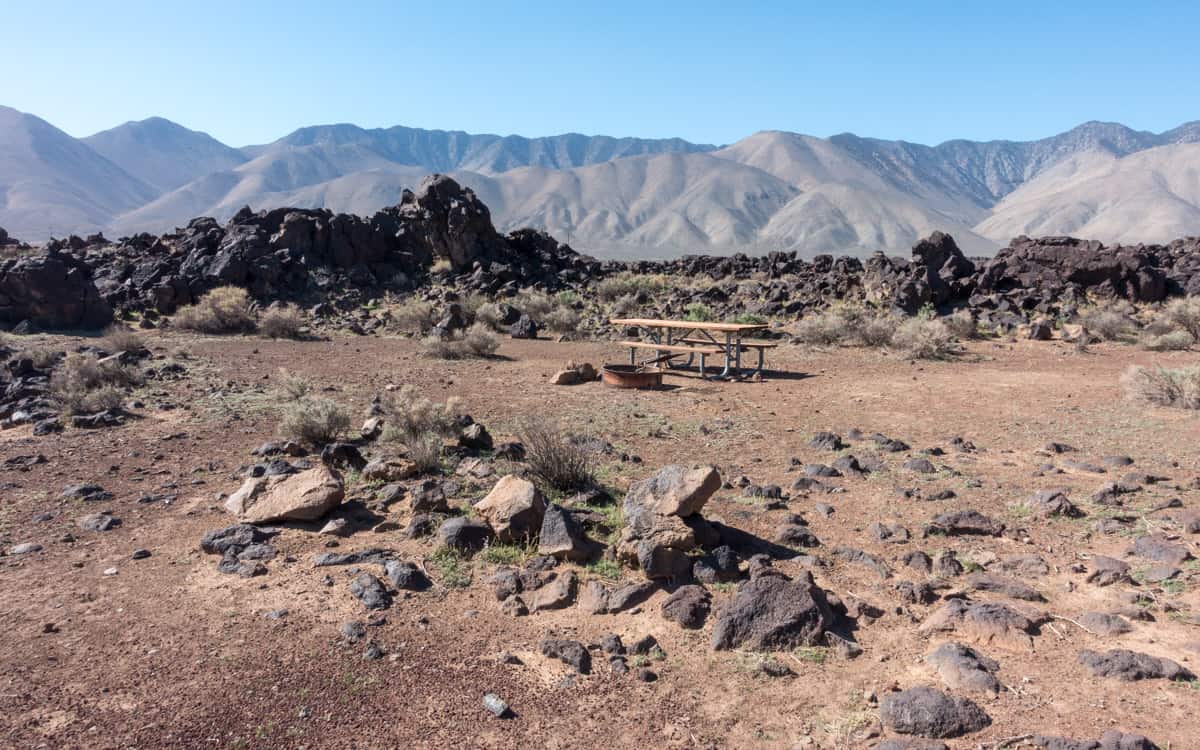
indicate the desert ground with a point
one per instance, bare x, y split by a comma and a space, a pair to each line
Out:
102, 650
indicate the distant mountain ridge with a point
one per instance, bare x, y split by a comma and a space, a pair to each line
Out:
627, 197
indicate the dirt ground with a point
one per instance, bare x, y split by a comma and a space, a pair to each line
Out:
168, 652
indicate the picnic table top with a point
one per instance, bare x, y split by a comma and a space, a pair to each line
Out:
689, 324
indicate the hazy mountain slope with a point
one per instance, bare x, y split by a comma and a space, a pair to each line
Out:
1149, 196
50, 183
163, 154
444, 151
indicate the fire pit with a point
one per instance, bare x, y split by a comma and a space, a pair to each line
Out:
630, 376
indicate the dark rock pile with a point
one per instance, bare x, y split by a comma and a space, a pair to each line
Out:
334, 262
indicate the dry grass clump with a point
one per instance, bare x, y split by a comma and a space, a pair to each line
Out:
414, 316
924, 338
224, 310
555, 458
316, 421
962, 325
43, 357
1171, 341
1184, 314
561, 320
83, 384
847, 324
626, 283
292, 387
475, 342
118, 338
625, 307
1109, 322
281, 322
489, 315
419, 424
1178, 387
535, 304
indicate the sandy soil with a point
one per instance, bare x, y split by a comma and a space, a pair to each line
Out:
168, 652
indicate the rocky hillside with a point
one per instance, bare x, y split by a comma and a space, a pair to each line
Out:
443, 233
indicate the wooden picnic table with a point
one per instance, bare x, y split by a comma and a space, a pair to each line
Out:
672, 340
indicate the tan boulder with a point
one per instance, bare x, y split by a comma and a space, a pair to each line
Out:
675, 490
305, 496
514, 509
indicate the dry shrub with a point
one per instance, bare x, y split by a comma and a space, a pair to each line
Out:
1178, 387
475, 342
962, 325
316, 421
408, 415
1109, 322
118, 338
847, 324
226, 309
553, 457
281, 322
84, 384
1172, 341
923, 338
625, 306
294, 387
441, 265
43, 357
425, 452
1184, 314
413, 316
489, 315
536, 304
822, 329
625, 284
561, 320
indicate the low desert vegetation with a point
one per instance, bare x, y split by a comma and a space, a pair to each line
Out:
1161, 386
118, 338
698, 312
1109, 322
305, 417
40, 356
561, 319
281, 322
1171, 341
923, 337
626, 284
224, 310
1184, 314
413, 316
553, 457
314, 420
419, 424
474, 343
83, 384
962, 325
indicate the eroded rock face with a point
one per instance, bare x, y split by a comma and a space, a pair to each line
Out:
656, 538
54, 291
773, 613
304, 496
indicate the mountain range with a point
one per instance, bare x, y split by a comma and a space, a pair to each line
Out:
624, 197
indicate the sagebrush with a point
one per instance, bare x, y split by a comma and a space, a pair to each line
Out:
224, 310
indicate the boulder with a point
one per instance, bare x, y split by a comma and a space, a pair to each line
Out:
465, 534
304, 496
514, 509
52, 291
562, 537
688, 606
1129, 666
926, 712
656, 539
963, 668
773, 613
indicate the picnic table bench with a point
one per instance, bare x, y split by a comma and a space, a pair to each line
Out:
674, 340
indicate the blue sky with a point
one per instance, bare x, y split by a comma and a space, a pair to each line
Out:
714, 72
